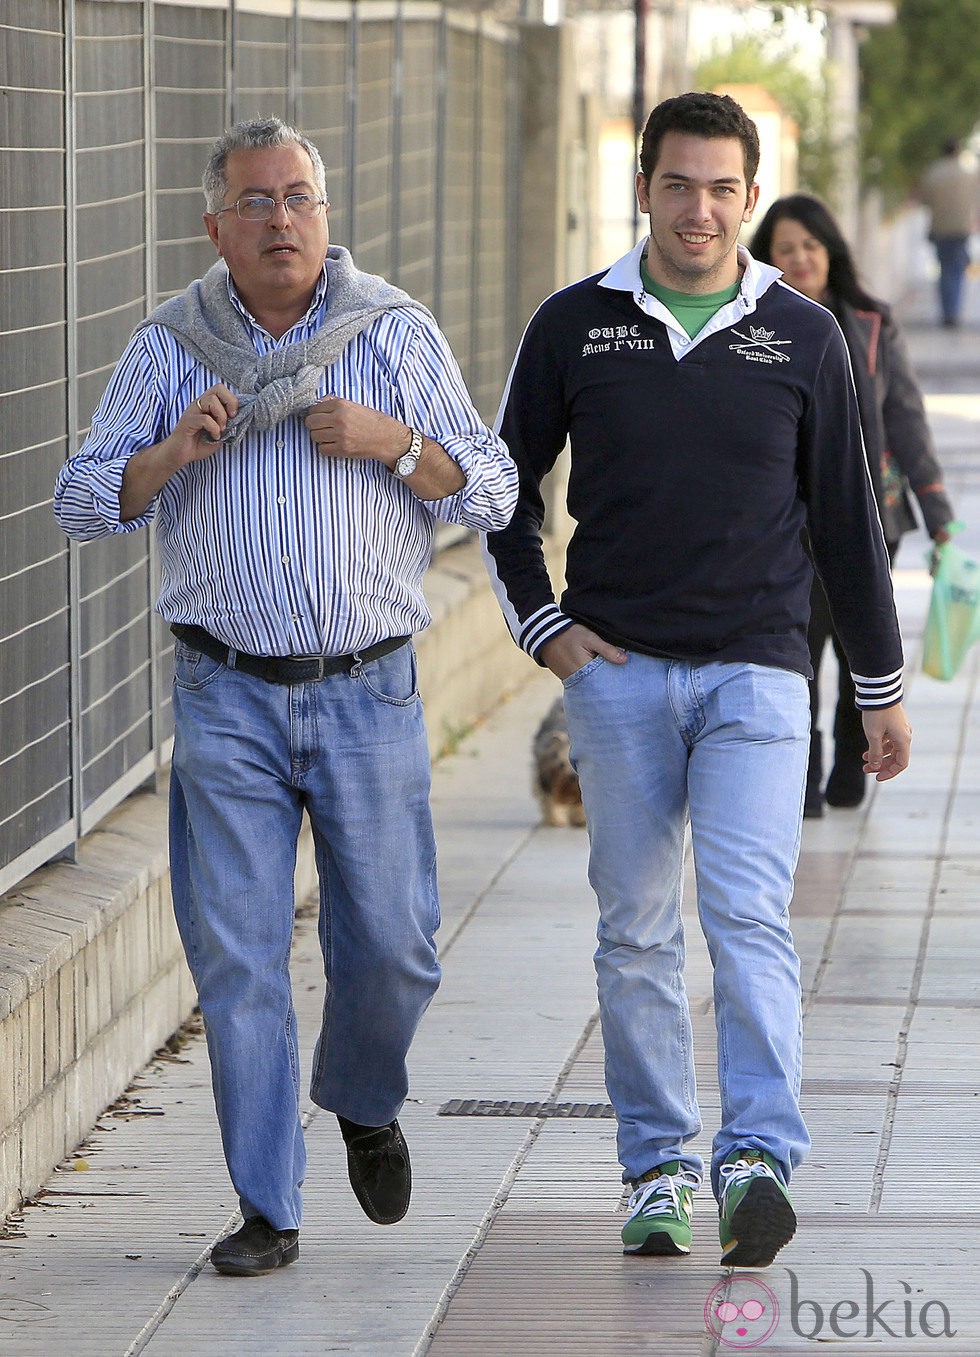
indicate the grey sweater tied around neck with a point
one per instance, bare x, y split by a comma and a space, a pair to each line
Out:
286, 380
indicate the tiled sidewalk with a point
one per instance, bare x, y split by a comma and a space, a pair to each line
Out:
512, 1243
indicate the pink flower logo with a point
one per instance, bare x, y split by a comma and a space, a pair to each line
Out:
741, 1312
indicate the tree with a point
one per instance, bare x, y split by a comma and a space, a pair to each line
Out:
802, 94
920, 84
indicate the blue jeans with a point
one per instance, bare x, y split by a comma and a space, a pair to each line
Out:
954, 258
249, 757
658, 742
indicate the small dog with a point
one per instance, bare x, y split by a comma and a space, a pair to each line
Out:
555, 781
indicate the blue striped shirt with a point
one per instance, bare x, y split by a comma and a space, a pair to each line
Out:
268, 544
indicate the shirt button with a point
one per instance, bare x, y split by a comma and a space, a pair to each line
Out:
280, 445
281, 499
285, 560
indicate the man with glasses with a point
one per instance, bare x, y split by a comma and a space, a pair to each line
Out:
294, 427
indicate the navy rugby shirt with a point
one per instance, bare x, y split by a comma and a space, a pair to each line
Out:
695, 466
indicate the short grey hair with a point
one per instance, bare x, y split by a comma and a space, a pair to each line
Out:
251, 135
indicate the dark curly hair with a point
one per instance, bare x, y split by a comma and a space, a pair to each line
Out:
703, 115
817, 220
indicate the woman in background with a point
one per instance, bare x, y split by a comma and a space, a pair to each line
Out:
799, 236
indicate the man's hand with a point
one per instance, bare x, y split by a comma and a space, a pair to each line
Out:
574, 648
342, 428
200, 427
889, 741
196, 435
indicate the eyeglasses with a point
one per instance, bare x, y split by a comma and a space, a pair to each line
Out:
256, 207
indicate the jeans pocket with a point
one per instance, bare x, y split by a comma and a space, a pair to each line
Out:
584, 672
392, 679
192, 670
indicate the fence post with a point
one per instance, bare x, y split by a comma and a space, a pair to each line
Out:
292, 93
440, 149
71, 418
397, 106
231, 76
547, 130
150, 288
476, 219
353, 36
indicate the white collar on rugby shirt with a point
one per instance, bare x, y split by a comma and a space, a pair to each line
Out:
757, 278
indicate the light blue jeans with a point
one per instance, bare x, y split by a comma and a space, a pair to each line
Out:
249, 757
658, 742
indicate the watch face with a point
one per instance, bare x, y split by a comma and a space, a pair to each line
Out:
409, 460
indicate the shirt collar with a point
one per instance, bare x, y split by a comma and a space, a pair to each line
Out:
757, 278
624, 276
312, 316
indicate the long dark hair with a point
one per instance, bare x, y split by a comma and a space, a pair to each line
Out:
815, 218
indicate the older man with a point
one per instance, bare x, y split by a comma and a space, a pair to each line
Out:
294, 427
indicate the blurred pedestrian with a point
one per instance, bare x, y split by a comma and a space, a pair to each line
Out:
294, 427
950, 189
800, 236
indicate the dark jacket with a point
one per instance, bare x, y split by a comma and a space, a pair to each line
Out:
899, 447
694, 466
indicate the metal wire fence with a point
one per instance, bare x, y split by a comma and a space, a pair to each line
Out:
108, 109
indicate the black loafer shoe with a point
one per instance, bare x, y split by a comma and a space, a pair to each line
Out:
379, 1168
255, 1249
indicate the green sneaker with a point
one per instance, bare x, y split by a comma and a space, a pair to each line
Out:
660, 1211
756, 1216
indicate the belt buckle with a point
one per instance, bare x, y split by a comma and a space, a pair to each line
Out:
320, 668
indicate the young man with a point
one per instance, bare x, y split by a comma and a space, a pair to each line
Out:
712, 419
294, 426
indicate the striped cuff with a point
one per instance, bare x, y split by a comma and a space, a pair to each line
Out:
885, 691
541, 626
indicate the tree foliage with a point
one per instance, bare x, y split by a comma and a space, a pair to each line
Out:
920, 83
802, 94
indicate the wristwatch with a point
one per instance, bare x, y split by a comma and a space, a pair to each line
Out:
409, 460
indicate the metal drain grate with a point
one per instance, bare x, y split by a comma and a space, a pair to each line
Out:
504, 1107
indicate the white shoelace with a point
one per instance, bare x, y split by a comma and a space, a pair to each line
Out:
735, 1174
665, 1186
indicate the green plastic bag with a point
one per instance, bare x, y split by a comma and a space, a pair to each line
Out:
953, 623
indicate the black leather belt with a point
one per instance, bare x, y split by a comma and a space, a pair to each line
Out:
282, 668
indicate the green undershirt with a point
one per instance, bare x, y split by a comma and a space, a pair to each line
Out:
692, 310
